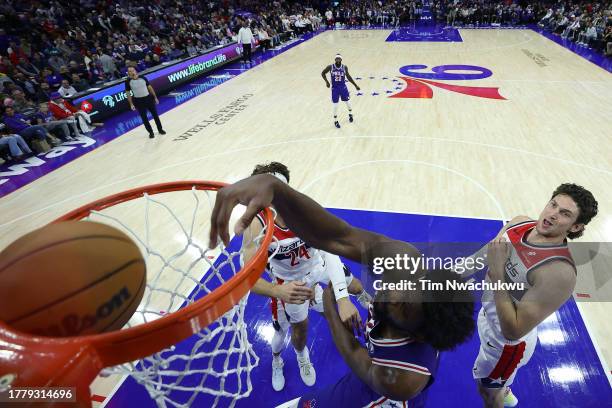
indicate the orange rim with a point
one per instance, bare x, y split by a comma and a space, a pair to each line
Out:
76, 361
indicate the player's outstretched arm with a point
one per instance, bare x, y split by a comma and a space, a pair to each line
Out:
350, 78
324, 75
306, 218
396, 384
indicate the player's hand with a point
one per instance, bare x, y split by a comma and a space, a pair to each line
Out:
358, 88
349, 315
255, 192
295, 292
328, 85
132, 107
498, 252
156, 101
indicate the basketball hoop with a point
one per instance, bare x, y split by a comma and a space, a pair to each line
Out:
209, 307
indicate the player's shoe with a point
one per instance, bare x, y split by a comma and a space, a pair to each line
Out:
351, 117
307, 371
364, 299
278, 378
162, 132
337, 124
151, 135
509, 399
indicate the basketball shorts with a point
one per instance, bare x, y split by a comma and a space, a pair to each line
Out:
283, 313
499, 358
340, 92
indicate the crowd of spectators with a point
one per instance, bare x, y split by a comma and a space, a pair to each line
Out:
54, 49
494, 13
588, 24
453, 12
585, 22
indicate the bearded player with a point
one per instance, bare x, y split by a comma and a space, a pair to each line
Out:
539, 258
408, 328
339, 74
297, 269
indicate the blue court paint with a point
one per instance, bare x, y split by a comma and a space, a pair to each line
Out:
564, 371
425, 34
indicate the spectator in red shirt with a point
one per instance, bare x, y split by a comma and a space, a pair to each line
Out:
15, 53
62, 109
157, 49
47, 120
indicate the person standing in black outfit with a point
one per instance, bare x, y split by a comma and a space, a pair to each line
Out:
144, 99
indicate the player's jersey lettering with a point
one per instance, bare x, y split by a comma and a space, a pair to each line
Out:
338, 75
524, 258
293, 259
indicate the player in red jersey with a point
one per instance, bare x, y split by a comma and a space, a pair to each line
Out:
297, 268
538, 258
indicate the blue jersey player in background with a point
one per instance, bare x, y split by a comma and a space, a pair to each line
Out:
339, 76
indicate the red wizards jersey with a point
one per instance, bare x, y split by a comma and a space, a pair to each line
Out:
524, 258
294, 259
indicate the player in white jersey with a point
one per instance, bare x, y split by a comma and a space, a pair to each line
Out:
535, 254
297, 270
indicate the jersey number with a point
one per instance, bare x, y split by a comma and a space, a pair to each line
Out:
297, 253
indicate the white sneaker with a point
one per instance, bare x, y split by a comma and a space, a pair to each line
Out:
509, 399
307, 371
364, 299
278, 379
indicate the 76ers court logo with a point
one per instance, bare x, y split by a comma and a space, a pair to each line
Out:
418, 82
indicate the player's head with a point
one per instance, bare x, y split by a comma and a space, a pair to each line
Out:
448, 314
279, 170
338, 59
570, 208
442, 318
131, 71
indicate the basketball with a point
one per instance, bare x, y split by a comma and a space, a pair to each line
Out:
71, 278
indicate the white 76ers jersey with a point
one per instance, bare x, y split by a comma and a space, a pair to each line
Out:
294, 259
524, 258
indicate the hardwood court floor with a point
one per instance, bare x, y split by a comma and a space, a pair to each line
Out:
452, 154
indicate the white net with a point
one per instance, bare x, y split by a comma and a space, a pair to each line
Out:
211, 368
